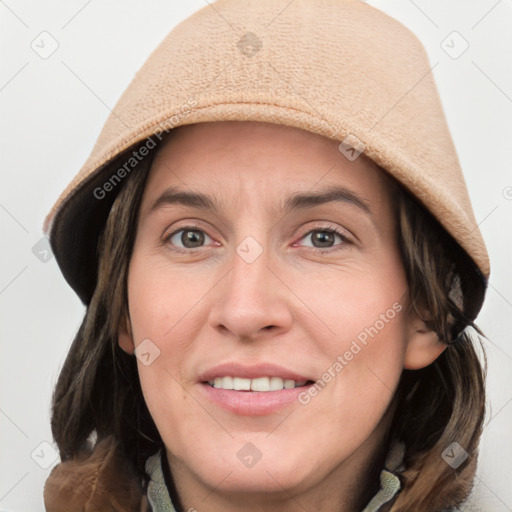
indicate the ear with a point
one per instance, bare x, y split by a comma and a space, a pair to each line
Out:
125, 336
423, 344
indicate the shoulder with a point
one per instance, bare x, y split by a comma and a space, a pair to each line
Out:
97, 480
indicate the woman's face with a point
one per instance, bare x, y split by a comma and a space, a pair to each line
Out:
265, 258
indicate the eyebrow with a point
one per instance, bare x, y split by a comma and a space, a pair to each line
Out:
298, 201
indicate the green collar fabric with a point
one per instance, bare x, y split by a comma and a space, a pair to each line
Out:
160, 501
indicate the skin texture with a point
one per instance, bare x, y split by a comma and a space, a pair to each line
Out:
292, 306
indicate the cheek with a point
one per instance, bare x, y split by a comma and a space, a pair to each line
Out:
160, 298
366, 355
161, 302
360, 303
360, 378
363, 345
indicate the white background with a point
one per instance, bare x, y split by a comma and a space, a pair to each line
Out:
52, 111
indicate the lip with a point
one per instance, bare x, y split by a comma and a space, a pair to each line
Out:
234, 369
252, 403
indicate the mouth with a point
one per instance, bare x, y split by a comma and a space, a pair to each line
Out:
259, 384
253, 390
248, 402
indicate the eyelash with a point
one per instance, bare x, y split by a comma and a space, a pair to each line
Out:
322, 229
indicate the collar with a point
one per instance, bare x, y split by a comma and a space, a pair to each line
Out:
160, 501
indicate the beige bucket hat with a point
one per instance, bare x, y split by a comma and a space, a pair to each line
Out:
338, 68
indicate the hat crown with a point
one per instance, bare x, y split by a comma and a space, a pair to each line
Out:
338, 68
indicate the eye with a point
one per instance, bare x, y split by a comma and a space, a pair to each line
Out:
191, 237
322, 239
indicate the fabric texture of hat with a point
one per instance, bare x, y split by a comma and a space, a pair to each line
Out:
339, 68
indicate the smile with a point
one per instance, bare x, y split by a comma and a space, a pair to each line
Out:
261, 384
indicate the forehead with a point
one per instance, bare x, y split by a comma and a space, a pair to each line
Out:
224, 158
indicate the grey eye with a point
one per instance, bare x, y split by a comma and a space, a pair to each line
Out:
189, 238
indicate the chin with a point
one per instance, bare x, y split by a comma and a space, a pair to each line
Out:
270, 474
265, 480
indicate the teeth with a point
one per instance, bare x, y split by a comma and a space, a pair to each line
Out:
240, 384
258, 384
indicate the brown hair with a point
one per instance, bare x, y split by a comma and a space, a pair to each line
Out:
444, 402
98, 389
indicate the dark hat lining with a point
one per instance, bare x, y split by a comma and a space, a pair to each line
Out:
79, 222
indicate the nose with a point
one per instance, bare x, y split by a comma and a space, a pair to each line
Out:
252, 298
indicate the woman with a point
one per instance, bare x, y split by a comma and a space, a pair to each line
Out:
280, 262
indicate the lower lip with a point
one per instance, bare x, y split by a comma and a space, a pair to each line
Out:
252, 403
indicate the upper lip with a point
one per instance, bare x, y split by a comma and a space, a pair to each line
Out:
233, 369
